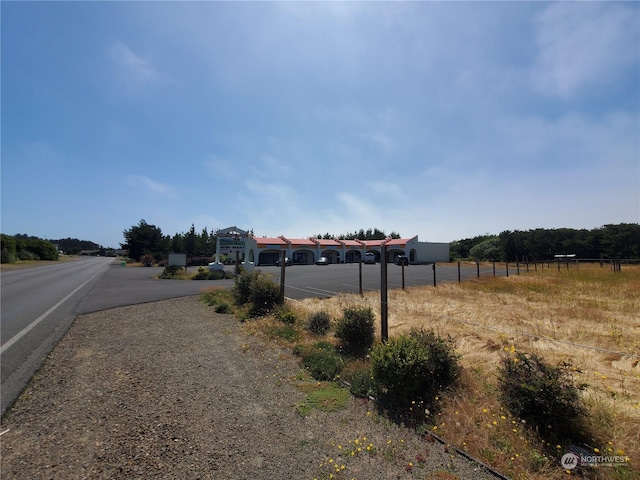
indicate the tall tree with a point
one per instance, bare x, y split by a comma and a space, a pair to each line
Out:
143, 239
190, 242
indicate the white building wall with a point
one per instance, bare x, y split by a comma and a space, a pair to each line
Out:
428, 252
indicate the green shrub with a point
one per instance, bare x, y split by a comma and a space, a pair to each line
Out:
223, 308
170, 271
362, 383
264, 296
319, 323
9, 252
542, 395
217, 275
7, 256
201, 274
242, 286
322, 361
415, 367
27, 255
356, 330
285, 315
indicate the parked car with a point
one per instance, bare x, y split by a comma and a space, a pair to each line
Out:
401, 260
287, 261
323, 261
369, 258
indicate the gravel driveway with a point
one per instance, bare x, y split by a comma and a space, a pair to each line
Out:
173, 390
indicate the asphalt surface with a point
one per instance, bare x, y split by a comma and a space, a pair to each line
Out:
39, 305
303, 281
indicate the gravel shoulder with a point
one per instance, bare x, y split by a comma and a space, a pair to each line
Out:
171, 389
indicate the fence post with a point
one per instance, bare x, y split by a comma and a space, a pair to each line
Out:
494, 269
283, 265
517, 267
384, 307
458, 271
434, 274
478, 268
360, 275
507, 267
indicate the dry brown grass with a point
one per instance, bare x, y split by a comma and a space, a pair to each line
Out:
22, 264
587, 317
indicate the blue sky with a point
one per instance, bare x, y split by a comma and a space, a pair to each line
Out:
445, 120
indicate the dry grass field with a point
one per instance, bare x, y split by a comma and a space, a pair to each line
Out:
587, 316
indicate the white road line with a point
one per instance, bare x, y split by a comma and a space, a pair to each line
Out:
33, 324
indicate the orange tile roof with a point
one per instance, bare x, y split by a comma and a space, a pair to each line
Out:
301, 241
351, 242
270, 241
327, 241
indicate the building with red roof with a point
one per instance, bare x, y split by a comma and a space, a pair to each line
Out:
257, 251
306, 251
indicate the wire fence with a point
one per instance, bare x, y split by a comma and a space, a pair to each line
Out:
483, 270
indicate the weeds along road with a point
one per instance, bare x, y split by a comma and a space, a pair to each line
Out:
39, 304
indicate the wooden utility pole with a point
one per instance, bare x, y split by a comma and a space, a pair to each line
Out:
283, 264
384, 307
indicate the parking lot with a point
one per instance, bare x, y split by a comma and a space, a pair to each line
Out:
304, 281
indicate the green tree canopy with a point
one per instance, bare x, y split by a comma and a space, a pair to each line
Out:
143, 239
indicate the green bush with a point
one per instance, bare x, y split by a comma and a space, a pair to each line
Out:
217, 275
7, 256
543, 395
264, 296
9, 252
356, 330
223, 308
242, 286
170, 271
415, 367
201, 274
322, 361
362, 383
27, 255
285, 315
319, 323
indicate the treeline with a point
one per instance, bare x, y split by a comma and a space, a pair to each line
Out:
369, 234
24, 247
73, 246
621, 241
147, 239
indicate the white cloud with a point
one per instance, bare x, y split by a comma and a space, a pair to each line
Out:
134, 72
388, 191
149, 185
582, 44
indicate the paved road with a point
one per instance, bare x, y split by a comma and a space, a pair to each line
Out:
38, 306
